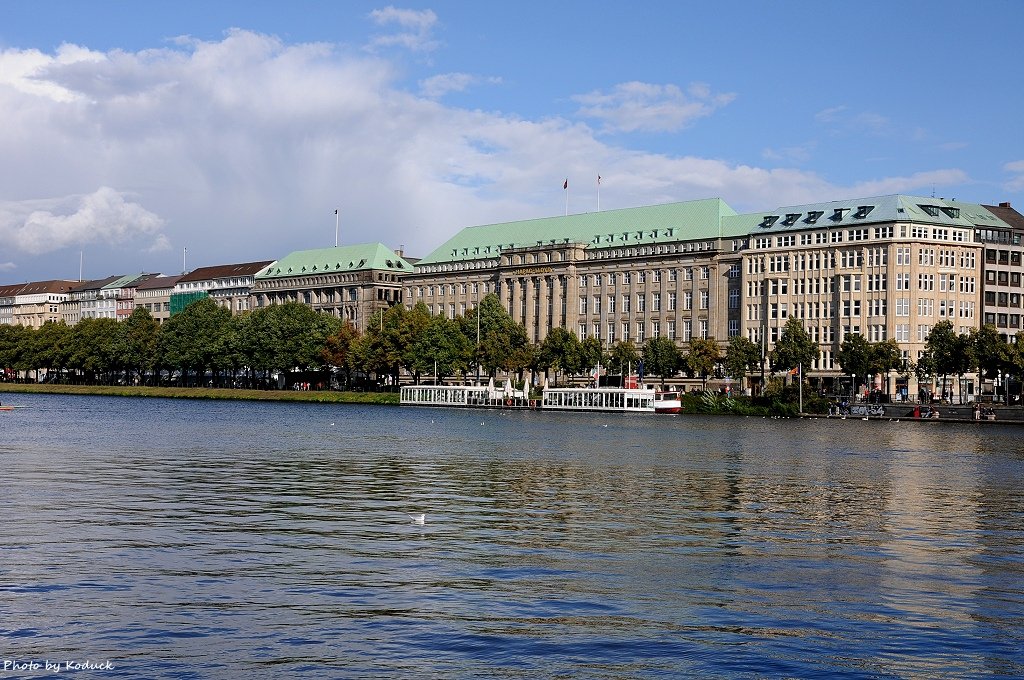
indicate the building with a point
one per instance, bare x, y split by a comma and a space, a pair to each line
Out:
7, 295
667, 270
38, 302
83, 299
1002, 283
887, 267
154, 295
229, 285
348, 282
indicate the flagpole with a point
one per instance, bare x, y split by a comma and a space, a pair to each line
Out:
337, 219
565, 186
599, 193
184, 251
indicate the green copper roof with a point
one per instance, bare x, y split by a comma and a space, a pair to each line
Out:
337, 259
692, 220
123, 281
860, 211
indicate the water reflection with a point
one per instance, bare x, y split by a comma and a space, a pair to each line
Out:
184, 539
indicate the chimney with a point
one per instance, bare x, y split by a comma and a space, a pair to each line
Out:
401, 251
1005, 204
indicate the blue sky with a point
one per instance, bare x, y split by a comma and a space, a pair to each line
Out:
134, 130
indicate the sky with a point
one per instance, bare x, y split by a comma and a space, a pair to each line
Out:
164, 136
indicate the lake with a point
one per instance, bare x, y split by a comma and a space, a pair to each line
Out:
155, 538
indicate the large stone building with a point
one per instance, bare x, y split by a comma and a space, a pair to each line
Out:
348, 282
882, 267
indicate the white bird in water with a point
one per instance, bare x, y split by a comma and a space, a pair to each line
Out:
419, 518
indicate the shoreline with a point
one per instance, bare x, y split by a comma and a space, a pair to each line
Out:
214, 393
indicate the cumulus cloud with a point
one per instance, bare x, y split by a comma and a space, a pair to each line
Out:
104, 216
415, 29
241, 148
636, 106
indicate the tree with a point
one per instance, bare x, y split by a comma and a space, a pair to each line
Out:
503, 344
137, 342
339, 352
13, 343
417, 356
442, 348
742, 356
661, 357
623, 356
793, 348
591, 354
702, 358
559, 352
855, 356
195, 339
49, 347
94, 348
950, 354
993, 354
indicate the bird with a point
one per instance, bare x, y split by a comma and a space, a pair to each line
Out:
418, 518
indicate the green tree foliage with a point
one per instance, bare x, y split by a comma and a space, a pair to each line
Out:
591, 353
137, 342
94, 348
855, 355
49, 348
503, 344
794, 348
702, 358
661, 358
339, 350
195, 340
560, 351
442, 347
623, 357
13, 343
742, 356
417, 355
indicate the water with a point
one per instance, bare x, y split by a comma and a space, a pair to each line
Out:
180, 539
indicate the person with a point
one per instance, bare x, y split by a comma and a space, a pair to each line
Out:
977, 411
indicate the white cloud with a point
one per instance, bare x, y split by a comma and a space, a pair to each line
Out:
917, 182
241, 148
830, 114
1015, 183
416, 29
438, 86
7, 266
636, 106
104, 217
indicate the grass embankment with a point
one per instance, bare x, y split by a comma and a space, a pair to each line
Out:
325, 397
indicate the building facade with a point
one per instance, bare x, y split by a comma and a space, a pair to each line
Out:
229, 285
348, 282
154, 295
39, 302
887, 267
658, 271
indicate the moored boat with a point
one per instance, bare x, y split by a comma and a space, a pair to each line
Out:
667, 402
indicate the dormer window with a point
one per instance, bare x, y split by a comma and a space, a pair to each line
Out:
932, 210
813, 215
769, 220
862, 211
952, 212
790, 220
839, 213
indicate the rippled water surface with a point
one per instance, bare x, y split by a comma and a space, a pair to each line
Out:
180, 539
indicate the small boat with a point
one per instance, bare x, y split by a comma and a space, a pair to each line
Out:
667, 402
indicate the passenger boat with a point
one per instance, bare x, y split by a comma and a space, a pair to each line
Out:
466, 396
667, 402
598, 399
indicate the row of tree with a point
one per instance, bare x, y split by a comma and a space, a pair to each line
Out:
205, 344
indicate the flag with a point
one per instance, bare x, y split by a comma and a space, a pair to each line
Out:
795, 371
599, 179
335, 211
565, 184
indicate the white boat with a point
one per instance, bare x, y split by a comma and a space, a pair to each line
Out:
468, 396
598, 399
667, 402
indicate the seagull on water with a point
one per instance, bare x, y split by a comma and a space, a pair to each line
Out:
418, 518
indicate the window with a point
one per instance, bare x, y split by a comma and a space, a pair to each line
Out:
703, 299
655, 329
583, 304
734, 298
671, 302
641, 303
655, 302
902, 306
